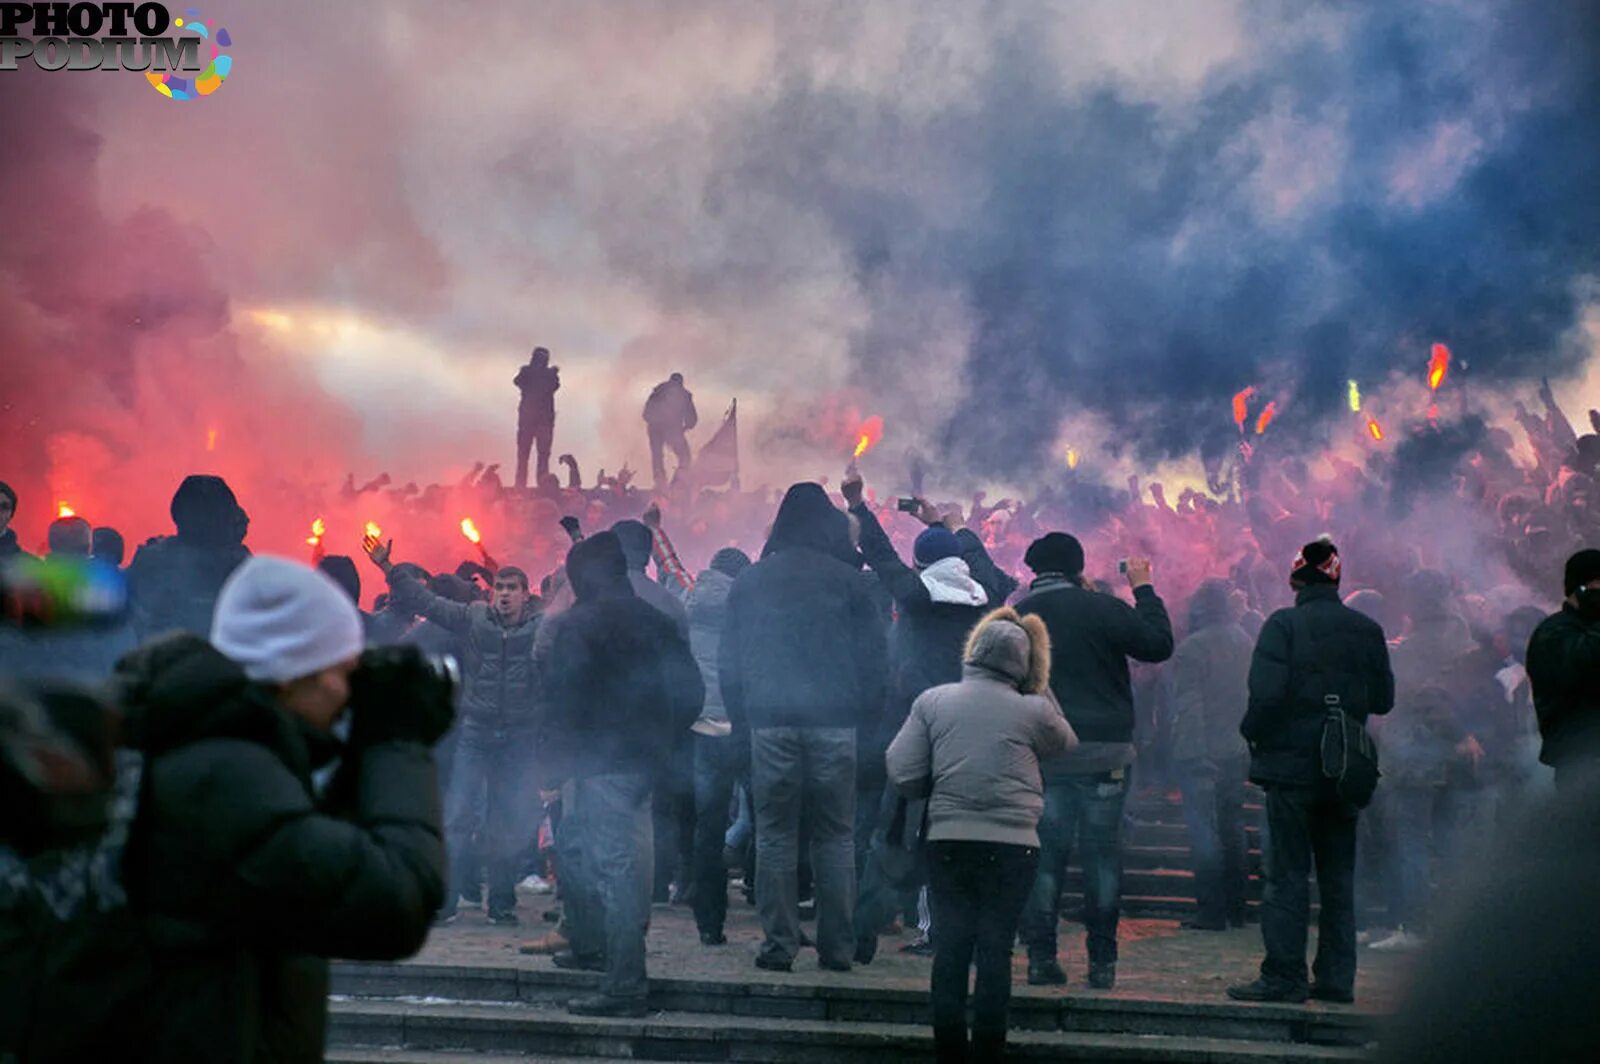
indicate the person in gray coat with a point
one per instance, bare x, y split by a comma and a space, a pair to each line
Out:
974, 749
1210, 690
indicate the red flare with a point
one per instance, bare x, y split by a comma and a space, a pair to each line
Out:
1438, 366
64, 510
373, 530
319, 528
1267, 414
871, 433
1374, 429
470, 530
1241, 407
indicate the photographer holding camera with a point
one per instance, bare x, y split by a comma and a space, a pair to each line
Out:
241, 877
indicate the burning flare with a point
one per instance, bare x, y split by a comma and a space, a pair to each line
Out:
1354, 395
319, 528
470, 530
1072, 458
1241, 407
211, 439
63, 510
373, 530
871, 433
1374, 429
1438, 366
1267, 414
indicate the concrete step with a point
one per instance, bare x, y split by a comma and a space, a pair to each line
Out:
543, 1030
1031, 1008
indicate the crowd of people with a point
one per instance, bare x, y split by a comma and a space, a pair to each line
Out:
843, 698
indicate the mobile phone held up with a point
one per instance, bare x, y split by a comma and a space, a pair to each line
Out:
907, 506
1122, 567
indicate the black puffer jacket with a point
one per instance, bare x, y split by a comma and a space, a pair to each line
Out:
803, 644
620, 687
245, 883
1092, 636
1564, 667
174, 581
1284, 722
496, 658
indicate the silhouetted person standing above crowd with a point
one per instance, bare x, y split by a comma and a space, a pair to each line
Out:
536, 414
668, 414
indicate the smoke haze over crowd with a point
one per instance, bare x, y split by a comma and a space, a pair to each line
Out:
998, 225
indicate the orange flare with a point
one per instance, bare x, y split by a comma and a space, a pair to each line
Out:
470, 530
1374, 429
64, 510
1438, 366
1270, 412
871, 433
319, 528
1241, 407
211, 439
373, 530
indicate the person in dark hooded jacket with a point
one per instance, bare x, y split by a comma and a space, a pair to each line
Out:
803, 668
619, 687
1306, 654
174, 581
1563, 661
243, 877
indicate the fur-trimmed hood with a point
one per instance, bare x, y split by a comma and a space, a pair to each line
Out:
1010, 645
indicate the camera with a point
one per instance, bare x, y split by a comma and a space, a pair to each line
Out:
1122, 567
907, 506
402, 662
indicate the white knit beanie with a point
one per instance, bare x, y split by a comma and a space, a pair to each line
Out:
281, 620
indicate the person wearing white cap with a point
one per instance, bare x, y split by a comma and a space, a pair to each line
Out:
244, 878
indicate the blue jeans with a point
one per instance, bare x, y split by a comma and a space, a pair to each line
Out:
494, 794
1087, 809
607, 889
1213, 811
812, 769
716, 764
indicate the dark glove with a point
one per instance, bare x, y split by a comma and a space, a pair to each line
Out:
400, 693
573, 529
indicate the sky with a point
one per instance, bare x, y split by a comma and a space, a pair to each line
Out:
1005, 227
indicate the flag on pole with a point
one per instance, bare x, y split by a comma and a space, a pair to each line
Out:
718, 461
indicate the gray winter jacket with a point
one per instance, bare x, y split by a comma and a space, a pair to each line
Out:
707, 603
1210, 691
980, 741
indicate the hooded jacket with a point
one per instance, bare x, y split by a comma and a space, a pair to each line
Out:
980, 740
496, 657
635, 539
803, 644
1092, 636
243, 880
707, 605
1209, 684
619, 687
1563, 663
1284, 721
174, 581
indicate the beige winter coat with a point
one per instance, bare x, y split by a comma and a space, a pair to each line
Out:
980, 741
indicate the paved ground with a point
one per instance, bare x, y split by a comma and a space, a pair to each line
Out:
1158, 960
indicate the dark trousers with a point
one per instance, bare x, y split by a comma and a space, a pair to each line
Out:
1087, 809
673, 810
607, 894
494, 794
716, 766
1310, 826
977, 890
1213, 811
814, 769
660, 440
529, 434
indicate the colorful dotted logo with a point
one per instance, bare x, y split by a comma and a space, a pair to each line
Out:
208, 80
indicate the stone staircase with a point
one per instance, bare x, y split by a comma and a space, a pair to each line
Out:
427, 1014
